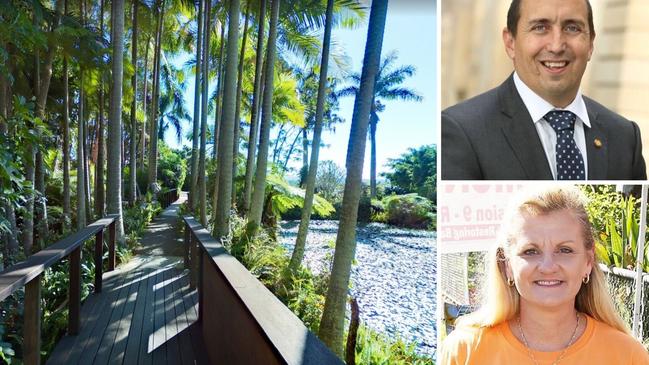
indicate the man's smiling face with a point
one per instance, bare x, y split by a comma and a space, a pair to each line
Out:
552, 47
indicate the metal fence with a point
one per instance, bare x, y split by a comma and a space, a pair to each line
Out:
621, 284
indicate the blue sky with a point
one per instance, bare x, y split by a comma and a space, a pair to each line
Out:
410, 30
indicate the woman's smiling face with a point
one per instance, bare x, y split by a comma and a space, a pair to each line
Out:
548, 259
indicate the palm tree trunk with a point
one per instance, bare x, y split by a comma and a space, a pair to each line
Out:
153, 143
114, 183
66, 141
86, 167
42, 230
217, 116
226, 136
145, 96
205, 86
219, 95
100, 193
333, 316
279, 142
81, 189
305, 157
193, 191
237, 113
28, 215
133, 153
254, 115
35, 158
41, 207
290, 151
373, 121
10, 239
257, 203
300, 242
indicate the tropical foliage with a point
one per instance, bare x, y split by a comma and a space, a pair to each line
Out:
414, 172
89, 92
616, 220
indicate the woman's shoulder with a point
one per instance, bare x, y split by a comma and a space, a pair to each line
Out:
465, 341
614, 339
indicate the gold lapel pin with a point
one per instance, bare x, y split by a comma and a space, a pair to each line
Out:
598, 143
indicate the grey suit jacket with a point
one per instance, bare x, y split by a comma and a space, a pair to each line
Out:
492, 137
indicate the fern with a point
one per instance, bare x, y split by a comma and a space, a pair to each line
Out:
286, 196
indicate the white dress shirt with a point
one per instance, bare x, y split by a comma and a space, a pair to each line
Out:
539, 107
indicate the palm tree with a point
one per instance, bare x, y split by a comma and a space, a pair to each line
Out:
226, 134
172, 103
114, 183
66, 139
100, 193
388, 87
153, 145
257, 203
237, 113
333, 316
133, 143
81, 155
254, 110
300, 242
202, 198
197, 110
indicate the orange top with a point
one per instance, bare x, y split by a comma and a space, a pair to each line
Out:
599, 344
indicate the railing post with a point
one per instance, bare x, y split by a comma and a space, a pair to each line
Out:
32, 330
200, 284
193, 262
186, 248
75, 292
99, 253
111, 246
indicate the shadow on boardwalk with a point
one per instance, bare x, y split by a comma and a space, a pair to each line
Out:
146, 313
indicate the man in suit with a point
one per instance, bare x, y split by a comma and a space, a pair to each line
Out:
537, 124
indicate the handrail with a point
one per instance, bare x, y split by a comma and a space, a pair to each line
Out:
28, 274
166, 198
245, 322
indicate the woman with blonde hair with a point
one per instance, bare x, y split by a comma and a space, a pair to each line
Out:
546, 300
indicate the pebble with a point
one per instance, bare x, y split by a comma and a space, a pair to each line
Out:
393, 279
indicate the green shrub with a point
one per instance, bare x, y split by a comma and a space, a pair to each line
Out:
365, 206
409, 211
616, 224
374, 348
137, 217
172, 167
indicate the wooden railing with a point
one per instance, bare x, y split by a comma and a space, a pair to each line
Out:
242, 321
167, 198
28, 274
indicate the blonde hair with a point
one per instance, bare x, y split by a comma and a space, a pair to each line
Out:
501, 301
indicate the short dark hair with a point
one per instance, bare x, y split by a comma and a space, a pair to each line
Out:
514, 14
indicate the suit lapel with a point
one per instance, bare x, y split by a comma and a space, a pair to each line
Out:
596, 146
521, 134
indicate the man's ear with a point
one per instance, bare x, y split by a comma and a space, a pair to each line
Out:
508, 40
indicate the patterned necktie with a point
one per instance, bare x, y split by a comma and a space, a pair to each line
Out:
570, 163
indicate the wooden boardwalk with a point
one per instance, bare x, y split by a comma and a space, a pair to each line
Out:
146, 313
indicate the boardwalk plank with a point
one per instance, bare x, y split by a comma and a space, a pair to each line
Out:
123, 330
137, 321
106, 318
158, 334
172, 297
146, 340
64, 351
184, 340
